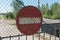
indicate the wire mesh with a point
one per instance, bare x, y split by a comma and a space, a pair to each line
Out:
8, 29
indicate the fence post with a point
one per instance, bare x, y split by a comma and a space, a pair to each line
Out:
59, 33
26, 37
0, 38
18, 37
50, 34
44, 36
10, 37
33, 37
55, 33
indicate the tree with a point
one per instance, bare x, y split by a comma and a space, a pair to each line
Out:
46, 9
9, 15
17, 5
53, 12
42, 8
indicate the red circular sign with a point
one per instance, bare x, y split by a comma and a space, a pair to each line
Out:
29, 20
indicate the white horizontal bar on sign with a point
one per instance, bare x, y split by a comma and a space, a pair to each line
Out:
29, 20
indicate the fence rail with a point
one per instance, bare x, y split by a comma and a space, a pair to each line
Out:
37, 36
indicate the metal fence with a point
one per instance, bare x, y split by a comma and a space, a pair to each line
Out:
8, 30
37, 36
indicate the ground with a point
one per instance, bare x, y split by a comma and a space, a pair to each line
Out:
6, 29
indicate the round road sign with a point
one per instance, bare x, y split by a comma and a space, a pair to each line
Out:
29, 20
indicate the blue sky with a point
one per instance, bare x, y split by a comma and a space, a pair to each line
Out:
5, 5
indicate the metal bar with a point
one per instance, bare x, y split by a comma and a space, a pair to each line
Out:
39, 35
26, 37
33, 37
50, 33
20, 2
0, 38
11, 36
38, 4
44, 36
59, 36
18, 37
50, 37
59, 33
55, 34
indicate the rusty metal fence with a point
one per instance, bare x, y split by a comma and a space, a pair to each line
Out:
37, 36
9, 31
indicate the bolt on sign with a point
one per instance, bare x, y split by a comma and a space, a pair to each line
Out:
29, 20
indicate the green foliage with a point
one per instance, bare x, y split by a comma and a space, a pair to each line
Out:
17, 5
9, 15
53, 12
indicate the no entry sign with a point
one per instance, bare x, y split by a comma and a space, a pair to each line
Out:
29, 20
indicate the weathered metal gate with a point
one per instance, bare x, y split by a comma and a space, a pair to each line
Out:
31, 37
8, 30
